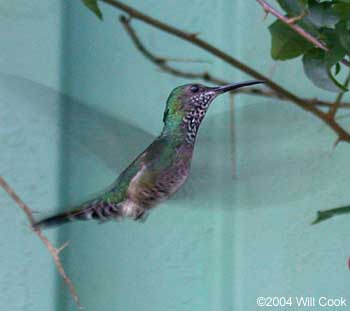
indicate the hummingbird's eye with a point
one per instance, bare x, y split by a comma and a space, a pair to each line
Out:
194, 88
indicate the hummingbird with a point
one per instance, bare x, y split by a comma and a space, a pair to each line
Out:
161, 169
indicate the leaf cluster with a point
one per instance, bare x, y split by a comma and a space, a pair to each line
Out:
329, 22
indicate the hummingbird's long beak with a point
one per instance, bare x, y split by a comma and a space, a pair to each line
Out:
231, 87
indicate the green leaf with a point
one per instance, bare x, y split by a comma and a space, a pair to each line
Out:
343, 10
326, 214
322, 14
318, 69
336, 50
286, 43
292, 7
342, 87
295, 8
303, 2
93, 6
343, 33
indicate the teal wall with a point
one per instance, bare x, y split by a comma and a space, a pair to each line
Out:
221, 242
30, 71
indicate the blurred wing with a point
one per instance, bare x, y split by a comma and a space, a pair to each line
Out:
83, 129
110, 139
65, 142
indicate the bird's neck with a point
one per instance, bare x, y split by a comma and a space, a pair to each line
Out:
181, 127
175, 134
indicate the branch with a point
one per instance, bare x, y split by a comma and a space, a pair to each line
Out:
291, 23
193, 39
163, 64
318, 102
53, 250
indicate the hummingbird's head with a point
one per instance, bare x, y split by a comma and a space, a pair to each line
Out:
188, 104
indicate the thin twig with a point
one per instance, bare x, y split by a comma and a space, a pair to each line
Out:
334, 108
232, 135
193, 39
53, 250
186, 60
293, 20
268, 8
162, 63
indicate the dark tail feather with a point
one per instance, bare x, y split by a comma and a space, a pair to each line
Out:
53, 221
95, 210
62, 218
